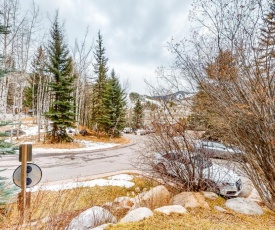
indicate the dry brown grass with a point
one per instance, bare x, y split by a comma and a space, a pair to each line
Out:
70, 145
76, 144
55, 210
119, 140
91, 136
203, 219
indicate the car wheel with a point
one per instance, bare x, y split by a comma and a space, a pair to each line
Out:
161, 168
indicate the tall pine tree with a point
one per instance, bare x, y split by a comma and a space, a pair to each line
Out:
99, 87
114, 102
138, 115
267, 42
60, 66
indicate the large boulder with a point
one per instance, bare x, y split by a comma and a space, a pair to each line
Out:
154, 198
91, 218
247, 187
137, 215
254, 196
210, 195
220, 209
190, 200
244, 206
171, 209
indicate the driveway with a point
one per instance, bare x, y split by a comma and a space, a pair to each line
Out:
73, 164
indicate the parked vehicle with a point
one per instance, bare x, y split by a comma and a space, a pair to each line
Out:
218, 150
140, 132
127, 130
225, 181
14, 132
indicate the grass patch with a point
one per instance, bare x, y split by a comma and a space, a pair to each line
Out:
55, 210
203, 219
69, 145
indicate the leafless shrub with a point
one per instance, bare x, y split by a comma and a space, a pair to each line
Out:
241, 89
171, 155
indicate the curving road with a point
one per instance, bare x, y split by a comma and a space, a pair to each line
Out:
74, 165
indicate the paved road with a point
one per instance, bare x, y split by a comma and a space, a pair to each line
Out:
73, 165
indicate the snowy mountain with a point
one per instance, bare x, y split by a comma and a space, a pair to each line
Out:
176, 97
180, 95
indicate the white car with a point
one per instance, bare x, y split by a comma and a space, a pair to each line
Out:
226, 181
127, 130
214, 149
140, 132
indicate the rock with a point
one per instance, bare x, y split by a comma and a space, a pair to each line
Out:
220, 209
190, 200
101, 227
137, 215
210, 195
244, 206
254, 196
247, 187
171, 209
91, 218
154, 198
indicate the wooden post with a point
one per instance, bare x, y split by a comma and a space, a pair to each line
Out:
23, 180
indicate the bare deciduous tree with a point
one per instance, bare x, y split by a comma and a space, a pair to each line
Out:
83, 58
246, 102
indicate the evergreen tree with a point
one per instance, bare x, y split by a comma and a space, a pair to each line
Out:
267, 40
99, 88
61, 111
138, 115
114, 103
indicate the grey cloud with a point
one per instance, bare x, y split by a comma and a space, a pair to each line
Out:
135, 31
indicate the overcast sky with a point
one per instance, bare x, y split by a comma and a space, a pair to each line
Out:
135, 32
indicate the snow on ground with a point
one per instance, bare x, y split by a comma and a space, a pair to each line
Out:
121, 180
121, 177
88, 146
32, 130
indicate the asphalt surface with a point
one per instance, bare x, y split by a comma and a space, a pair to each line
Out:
85, 165
73, 165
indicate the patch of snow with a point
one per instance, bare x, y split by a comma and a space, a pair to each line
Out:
121, 177
88, 146
30, 131
97, 182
